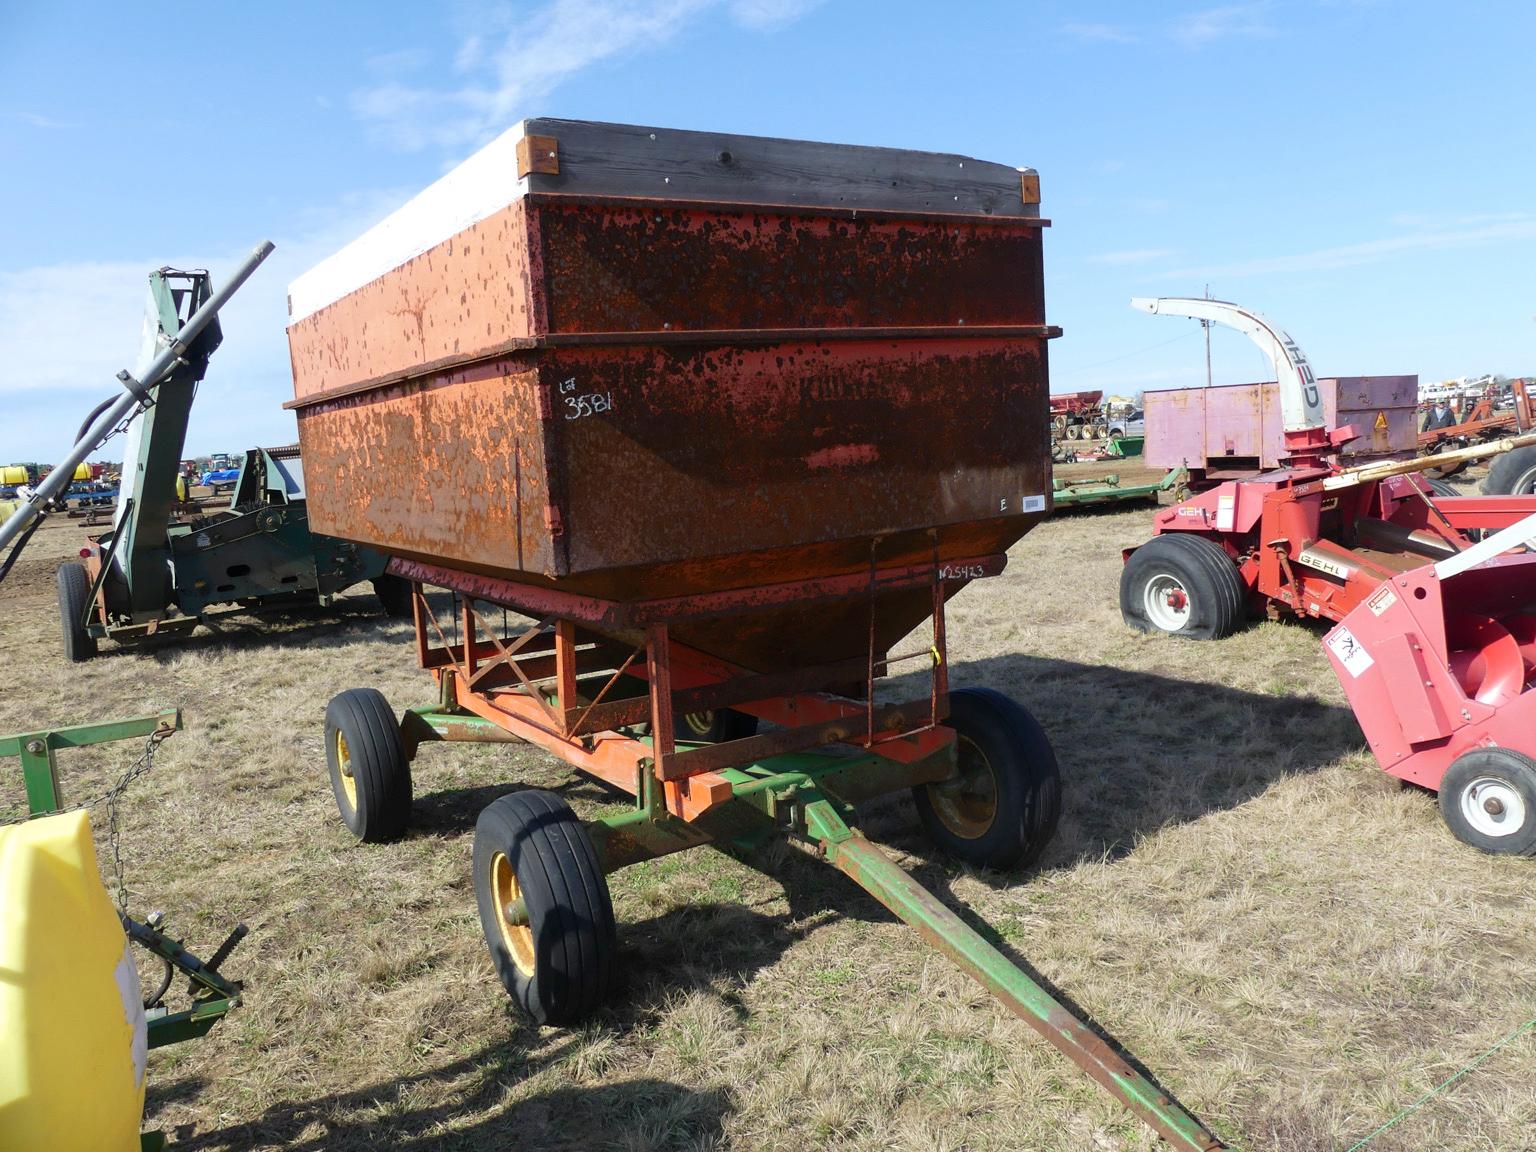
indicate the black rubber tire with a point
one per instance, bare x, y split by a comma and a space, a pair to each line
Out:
394, 593
380, 773
714, 727
1026, 783
1508, 768
1512, 474
1441, 487
74, 594
1210, 579
572, 940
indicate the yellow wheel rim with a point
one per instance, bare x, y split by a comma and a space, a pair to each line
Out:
518, 938
344, 769
698, 723
966, 803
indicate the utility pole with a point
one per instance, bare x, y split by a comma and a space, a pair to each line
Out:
1206, 324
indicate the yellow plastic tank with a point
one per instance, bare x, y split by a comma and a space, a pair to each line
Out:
82, 471
12, 475
72, 1035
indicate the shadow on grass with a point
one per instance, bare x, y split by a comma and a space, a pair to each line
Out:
297, 624
454, 810
462, 1106
1140, 751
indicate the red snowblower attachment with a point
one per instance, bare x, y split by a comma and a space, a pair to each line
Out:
1439, 665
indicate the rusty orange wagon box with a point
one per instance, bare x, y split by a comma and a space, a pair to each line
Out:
634, 362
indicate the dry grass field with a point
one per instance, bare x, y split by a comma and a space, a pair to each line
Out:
1296, 947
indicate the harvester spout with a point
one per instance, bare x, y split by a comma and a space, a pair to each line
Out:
1301, 404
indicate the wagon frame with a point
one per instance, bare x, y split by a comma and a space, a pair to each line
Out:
549, 681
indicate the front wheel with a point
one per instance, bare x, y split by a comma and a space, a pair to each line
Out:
370, 775
1512, 473
1488, 800
1183, 585
1000, 808
544, 906
74, 595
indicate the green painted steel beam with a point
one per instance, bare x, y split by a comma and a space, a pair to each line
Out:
764, 796
36, 749
878, 875
793, 792
155, 448
176, 1027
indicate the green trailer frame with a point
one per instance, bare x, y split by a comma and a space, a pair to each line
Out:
808, 796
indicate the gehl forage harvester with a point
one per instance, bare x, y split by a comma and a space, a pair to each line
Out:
1433, 596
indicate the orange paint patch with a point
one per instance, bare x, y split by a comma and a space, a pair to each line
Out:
844, 455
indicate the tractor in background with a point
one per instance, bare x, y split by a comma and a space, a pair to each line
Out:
150, 575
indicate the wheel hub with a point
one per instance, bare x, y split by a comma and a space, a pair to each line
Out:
516, 931
698, 724
1493, 806
344, 767
967, 801
1166, 602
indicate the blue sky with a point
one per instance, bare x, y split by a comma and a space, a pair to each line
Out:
1362, 172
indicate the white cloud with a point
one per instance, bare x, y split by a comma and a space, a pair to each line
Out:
766, 14
1132, 256
1371, 251
1191, 30
403, 60
68, 329
504, 75
1101, 33
36, 121
1230, 21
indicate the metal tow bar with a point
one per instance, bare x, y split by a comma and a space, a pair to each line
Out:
888, 883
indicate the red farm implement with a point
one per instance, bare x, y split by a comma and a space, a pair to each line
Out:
724, 421
1077, 416
1433, 598
1512, 473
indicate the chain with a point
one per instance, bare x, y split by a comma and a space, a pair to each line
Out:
115, 793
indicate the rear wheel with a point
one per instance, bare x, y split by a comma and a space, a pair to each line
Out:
1183, 585
1512, 474
394, 595
1000, 808
74, 595
714, 726
1488, 800
370, 776
544, 906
